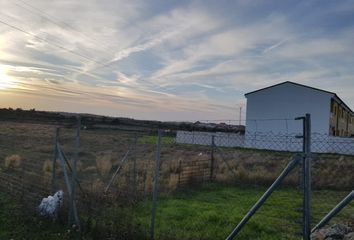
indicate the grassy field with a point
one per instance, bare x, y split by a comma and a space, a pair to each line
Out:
210, 212
14, 224
214, 211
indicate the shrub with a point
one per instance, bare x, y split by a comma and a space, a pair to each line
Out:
174, 166
104, 163
47, 166
13, 161
173, 182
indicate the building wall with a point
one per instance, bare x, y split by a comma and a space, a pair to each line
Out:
342, 120
221, 139
287, 101
351, 126
334, 118
321, 143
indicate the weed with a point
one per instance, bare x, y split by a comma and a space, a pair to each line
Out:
47, 166
13, 161
104, 163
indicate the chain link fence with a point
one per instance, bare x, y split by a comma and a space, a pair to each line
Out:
333, 181
207, 181
216, 186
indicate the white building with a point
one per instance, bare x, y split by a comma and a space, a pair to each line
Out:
271, 124
273, 109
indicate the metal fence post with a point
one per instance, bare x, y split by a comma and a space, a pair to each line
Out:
135, 186
65, 171
307, 178
73, 208
54, 161
118, 169
334, 211
156, 184
292, 164
212, 158
179, 172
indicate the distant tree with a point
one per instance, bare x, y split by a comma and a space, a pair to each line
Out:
116, 121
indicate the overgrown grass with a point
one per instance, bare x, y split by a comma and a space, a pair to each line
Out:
213, 212
209, 212
14, 224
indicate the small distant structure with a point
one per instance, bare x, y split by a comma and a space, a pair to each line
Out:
50, 206
218, 127
288, 100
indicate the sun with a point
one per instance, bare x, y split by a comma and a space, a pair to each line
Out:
6, 81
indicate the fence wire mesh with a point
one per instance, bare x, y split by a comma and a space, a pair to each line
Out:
207, 180
210, 188
333, 180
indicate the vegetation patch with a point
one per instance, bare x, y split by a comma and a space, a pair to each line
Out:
15, 223
214, 211
13, 161
166, 140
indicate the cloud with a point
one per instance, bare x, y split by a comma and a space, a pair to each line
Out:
274, 46
172, 59
224, 49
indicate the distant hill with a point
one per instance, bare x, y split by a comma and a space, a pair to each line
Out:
92, 121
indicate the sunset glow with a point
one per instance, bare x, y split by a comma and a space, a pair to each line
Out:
170, 60
6, 81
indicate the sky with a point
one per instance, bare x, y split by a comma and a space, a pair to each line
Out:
169, 60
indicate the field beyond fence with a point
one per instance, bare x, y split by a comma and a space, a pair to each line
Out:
203, 190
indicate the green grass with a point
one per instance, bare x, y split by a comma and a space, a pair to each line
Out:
166, 140
213, 212
210, 212
14, 224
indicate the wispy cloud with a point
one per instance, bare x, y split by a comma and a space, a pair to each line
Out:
170, 60
274, 46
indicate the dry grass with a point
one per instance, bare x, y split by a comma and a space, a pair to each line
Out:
174, 166
35, 141
148, 183
173, 182
47, 166
104, 162
241, 173
79, 166
97, 186
13, 161
90, 169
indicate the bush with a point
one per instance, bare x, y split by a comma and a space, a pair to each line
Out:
47, 166
104, 163
13, 161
